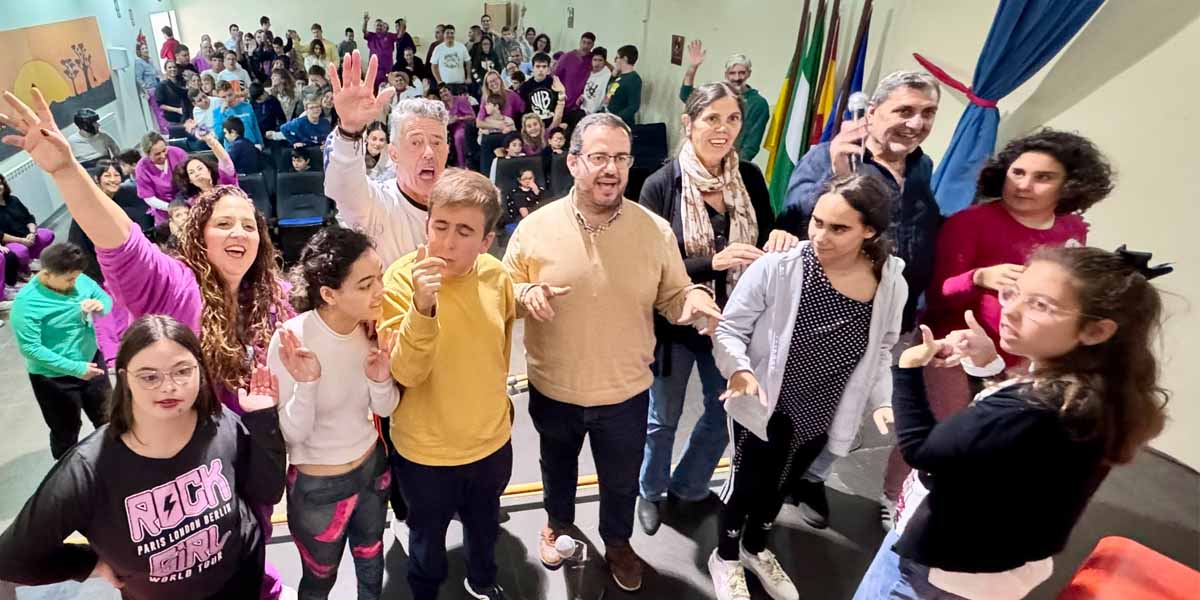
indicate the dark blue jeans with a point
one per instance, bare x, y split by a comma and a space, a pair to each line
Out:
618, 435
326, 512
434, 495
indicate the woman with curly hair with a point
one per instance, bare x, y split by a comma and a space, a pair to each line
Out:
331, 373
1033, 193
197, 175
224, 284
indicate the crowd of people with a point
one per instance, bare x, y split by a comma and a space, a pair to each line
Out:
1015, 363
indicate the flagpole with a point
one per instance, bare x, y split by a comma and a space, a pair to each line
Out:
822, 73
784, 103
839, 105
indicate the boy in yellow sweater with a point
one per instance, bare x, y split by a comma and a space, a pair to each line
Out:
452, 307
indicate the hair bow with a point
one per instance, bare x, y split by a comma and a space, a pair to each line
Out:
1140, 261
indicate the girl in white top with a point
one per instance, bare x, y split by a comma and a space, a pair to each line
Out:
333, 384
378, 163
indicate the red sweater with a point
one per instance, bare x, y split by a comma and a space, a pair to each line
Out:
983, 236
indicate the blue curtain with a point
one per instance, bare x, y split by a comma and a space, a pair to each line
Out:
1025, 35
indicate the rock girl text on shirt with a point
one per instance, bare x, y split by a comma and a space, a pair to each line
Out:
186, 548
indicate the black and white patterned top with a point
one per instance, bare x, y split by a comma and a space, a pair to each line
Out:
828, 341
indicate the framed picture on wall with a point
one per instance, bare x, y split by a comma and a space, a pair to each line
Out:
677, 49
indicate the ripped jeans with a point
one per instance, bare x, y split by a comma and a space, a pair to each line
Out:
325, 512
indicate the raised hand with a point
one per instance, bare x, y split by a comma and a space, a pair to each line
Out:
695, 54
848, 141
356, 104
427, 280
998, 277
264, 391
537, 300
378, 365
920, 354
36, 133
301, 363
699, 304
973, 343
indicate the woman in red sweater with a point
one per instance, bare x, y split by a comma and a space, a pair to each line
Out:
1033, 193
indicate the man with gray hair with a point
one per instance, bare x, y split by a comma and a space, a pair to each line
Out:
885, 143
392, 212
589, 271
737, 72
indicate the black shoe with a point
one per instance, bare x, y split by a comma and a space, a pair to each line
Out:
490, 593
647, 512
813, 504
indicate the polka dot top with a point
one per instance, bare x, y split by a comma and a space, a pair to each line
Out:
828, 341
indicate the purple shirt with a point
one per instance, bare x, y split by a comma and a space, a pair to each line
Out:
145, 280
574, 70
153, 182
514, 107
382, 45
201, 64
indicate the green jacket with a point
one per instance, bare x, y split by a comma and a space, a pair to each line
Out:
625, 96
51, 331
754, 122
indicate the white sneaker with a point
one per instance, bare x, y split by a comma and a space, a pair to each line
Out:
5, 305
728, 577
770, 574
887, 512
35, 265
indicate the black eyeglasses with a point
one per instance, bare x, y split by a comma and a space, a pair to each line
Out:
599, 160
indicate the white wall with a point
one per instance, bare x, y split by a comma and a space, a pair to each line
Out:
115, 31
197, 17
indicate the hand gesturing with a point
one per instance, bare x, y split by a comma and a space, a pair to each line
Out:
36, 133
354, 99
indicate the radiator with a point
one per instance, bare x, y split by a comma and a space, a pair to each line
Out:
34, 187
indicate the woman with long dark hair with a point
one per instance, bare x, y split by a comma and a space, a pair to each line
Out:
22, 239
224, 284
1086, 320
165, 491
806, 346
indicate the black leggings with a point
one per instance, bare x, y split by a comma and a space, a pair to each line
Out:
754, 492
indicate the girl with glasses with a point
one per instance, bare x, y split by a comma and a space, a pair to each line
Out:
164, 492
1035, 192
1002, 483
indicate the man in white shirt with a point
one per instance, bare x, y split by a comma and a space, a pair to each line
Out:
88, 143
392, 212
450, 60
234, 72
597, 82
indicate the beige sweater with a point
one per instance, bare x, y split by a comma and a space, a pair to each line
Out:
598, 349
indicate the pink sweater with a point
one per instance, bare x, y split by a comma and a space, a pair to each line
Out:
983, 236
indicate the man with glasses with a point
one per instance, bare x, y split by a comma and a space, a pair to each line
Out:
589, 271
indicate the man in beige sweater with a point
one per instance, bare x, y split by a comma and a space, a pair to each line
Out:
590, 270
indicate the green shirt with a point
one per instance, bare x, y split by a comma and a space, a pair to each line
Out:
51, 331
754, 122
625, 96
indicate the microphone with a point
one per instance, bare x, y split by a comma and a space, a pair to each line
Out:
857, 106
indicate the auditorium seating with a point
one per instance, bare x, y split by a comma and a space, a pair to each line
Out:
1122, 569
301, 209
561, 179
508, 172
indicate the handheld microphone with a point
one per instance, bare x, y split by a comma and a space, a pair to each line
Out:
857, 106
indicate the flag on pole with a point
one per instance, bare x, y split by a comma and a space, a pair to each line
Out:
794, 126
783, 104
852, 81
823, 102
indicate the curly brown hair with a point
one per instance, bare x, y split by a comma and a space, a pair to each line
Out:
1089, 176
1108, 391
227, 328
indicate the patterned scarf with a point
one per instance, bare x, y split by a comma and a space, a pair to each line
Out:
698, 237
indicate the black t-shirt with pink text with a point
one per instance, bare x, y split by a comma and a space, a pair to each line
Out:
176, 528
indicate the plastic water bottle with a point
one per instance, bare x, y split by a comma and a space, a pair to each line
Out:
574, 557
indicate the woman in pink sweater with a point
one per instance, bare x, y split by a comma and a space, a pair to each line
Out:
1033, 193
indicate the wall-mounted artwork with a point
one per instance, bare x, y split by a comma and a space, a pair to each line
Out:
65, 60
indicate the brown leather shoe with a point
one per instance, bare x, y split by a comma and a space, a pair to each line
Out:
546, 550
626, 567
